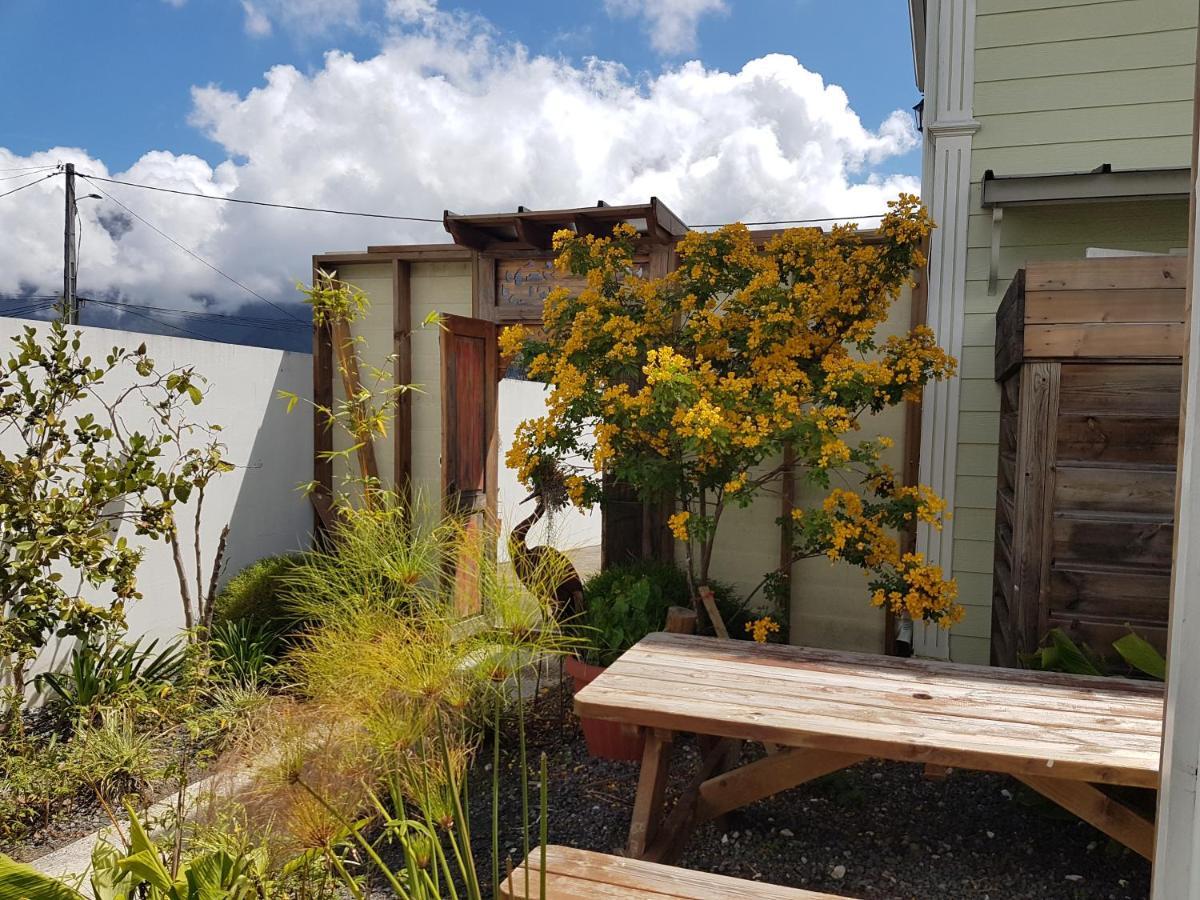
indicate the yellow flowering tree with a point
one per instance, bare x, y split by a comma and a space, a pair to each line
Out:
694, 384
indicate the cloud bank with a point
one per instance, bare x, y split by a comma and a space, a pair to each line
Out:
448, 117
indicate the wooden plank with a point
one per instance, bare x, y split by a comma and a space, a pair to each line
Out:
1138, 389
1147, 440
1140, 542
1109, 305
347, 364
584, 874
402, 350
322, 496
652, 785
767, 776
1104, 341
1010, 327
677, 828
1115, 273
1116, 489
1078, 590
483, 287
1099, 810
1035, 478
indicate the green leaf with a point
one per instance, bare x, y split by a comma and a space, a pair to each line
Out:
1141, 655
22, 882
195, 394
1070, 658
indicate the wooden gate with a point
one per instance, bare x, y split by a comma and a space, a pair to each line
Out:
469, 465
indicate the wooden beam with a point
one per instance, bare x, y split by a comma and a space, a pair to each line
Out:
671, 838
540, 237
755, 781
402, 349
651, 788
465, 234
322, 496
1099, 810
347, 363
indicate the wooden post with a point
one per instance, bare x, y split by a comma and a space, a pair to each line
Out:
1176, 865
402, 349
681, 620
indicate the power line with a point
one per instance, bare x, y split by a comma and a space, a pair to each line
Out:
190, 253
148, 318
25, 310
28, 184
28, 168
243, 321
313, 209
19, 175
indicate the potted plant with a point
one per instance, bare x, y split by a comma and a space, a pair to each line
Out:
622, 605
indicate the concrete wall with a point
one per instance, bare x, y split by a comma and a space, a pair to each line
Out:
260, 501
1060, 86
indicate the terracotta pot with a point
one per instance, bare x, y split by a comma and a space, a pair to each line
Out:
605, 740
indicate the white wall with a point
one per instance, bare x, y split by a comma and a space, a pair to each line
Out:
566, 529
272, 450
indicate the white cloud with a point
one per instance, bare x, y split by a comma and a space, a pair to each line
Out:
256, 23
670, 24
451, 118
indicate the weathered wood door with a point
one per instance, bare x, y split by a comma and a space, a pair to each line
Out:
469, 465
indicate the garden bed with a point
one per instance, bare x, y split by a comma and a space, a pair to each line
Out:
877, 830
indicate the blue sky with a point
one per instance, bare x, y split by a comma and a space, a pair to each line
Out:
725, 109
135, 61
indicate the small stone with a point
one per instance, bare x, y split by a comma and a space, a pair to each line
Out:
734, 835
991, 834
1006, 794
786, 832
838, 871
877, 776
1091, 846
1073, 877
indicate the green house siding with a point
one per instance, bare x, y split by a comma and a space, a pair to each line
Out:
1060, 86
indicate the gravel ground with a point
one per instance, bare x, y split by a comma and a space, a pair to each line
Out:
876, 830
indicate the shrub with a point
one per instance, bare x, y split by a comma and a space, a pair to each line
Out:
102, 675
116, 757
257, 595
243, 653
625, 603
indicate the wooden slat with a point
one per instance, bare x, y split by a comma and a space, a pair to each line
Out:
1152, 440
1106, 389
1121, 490
1120, 273
1035, 479
583, 874
1095, 591
402, 349
1099, 810
1147, 305
1010, 327
1104, 340
1126, 540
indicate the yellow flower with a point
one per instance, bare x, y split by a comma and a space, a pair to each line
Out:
762, 628
678, 525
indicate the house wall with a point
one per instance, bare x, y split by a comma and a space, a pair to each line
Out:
1060, 86
260, 500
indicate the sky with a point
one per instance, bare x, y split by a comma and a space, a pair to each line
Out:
725, 109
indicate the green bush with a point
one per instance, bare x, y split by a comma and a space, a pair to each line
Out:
625, 603
99, 675
258, 595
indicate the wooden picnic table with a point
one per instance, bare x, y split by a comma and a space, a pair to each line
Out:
1071, 738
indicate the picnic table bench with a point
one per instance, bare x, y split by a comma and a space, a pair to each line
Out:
1070, 738
582, 875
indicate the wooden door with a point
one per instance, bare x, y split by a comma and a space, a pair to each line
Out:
469, 464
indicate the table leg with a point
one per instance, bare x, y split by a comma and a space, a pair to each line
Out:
760, 779
652, 782
669, 842
1096, 808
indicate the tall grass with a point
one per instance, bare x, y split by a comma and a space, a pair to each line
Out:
365, 766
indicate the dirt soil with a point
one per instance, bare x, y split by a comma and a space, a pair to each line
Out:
876, 830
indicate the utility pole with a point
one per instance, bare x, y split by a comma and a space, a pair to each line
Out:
70, 309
